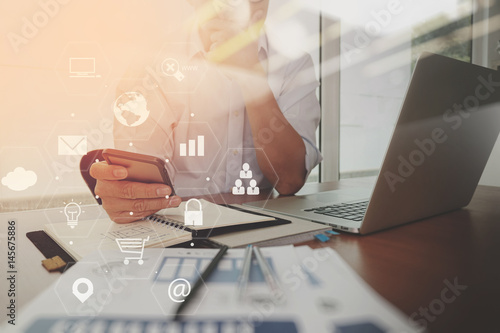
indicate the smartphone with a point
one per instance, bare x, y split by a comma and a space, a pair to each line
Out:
141, 168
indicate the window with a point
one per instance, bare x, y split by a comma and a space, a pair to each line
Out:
379, 44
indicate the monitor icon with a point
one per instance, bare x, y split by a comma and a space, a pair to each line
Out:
82, 67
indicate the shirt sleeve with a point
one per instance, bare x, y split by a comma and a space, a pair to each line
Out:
299, 103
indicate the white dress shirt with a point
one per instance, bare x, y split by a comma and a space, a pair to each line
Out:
187, 98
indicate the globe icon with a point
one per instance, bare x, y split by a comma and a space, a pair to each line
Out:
131, 109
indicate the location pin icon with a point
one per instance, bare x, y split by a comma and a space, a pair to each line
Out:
83, 296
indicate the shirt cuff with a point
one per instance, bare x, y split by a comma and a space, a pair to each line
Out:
313, 156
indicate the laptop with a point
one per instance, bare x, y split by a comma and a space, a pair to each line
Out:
446, 130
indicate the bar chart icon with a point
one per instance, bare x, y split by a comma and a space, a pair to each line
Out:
190, 148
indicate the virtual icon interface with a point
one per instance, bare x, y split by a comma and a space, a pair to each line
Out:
134, 246
82, 297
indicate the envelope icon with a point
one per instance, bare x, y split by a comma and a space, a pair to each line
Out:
72, 145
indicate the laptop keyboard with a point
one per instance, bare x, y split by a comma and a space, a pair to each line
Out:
349, 211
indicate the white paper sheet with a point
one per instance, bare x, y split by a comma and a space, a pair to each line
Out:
323, 294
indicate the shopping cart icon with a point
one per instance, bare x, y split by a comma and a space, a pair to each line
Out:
132, 245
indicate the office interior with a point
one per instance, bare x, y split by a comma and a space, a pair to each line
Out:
363, 51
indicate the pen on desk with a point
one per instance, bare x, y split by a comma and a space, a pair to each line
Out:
204, 276
245, 272
268, 274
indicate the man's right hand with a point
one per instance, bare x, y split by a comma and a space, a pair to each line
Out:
127, 201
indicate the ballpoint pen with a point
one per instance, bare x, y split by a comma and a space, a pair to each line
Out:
245, 272
269, 274
204, 276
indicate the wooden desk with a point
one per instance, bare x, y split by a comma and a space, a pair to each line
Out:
408, 265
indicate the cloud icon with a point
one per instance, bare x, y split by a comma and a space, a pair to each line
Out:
19, 179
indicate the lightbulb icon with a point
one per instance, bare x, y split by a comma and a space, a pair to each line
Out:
72, 210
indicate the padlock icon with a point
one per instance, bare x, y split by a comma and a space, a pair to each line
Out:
193, 217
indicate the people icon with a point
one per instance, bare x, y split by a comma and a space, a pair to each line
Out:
253, 189
246, 173
238, 189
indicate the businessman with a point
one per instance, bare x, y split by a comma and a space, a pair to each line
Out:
249, 89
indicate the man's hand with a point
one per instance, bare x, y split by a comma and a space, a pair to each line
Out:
234, 35
127, 201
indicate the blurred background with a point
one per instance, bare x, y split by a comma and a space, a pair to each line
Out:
364, 52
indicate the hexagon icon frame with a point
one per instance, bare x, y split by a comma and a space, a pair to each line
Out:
202, 192
215, 180
79, 71
64, 289
156, 106
177, 69
114, 255
190, 150
75, 232
28, 159
71, 161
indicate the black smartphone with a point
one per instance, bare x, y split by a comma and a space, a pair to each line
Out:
141, 168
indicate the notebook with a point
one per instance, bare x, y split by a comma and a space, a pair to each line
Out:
164, 229
297, 231
214, 217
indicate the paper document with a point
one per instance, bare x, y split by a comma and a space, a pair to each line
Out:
101, 234
322, 294
214, 216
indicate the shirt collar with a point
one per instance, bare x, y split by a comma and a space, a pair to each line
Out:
263, 45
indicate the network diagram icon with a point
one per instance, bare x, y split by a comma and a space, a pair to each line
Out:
239, 189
